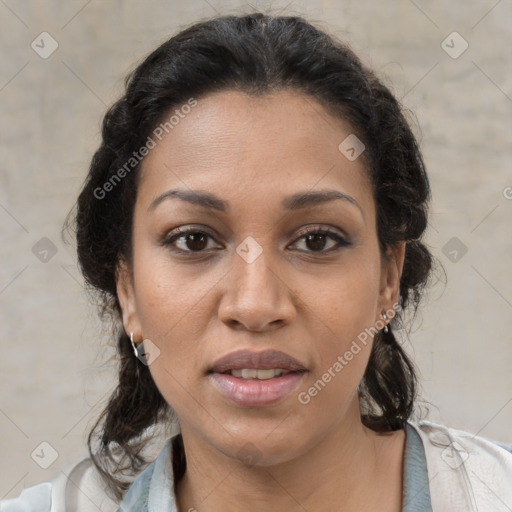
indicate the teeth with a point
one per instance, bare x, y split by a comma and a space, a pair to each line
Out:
249, 373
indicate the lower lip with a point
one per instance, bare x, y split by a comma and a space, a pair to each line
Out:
254, 392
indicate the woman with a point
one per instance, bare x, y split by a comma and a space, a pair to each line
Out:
254, 218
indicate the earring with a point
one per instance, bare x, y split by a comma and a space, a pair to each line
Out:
136, 352
386, 328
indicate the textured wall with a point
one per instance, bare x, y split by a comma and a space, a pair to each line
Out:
54, 373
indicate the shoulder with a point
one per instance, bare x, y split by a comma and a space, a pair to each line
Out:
443, 436
80, 487
74, 489
466, 471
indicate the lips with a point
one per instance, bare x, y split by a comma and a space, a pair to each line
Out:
263, 360
256, 379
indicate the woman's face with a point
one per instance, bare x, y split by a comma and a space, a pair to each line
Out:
248, 172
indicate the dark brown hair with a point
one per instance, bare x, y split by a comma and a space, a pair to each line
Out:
255, 54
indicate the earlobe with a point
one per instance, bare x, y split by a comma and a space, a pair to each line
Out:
126, 297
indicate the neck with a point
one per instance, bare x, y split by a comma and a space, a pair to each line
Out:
352, 467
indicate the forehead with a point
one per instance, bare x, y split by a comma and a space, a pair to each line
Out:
276, 143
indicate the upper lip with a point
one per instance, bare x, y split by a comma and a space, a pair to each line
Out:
263, 360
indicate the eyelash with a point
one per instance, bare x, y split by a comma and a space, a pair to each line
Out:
181, 233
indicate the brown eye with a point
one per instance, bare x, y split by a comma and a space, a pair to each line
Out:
196, 241
191, 240
316, 240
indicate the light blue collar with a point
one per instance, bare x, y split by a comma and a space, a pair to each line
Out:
153, 489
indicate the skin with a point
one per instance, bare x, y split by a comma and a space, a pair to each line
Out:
308, 300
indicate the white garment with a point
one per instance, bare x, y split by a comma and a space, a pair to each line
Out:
79, 489
466, 473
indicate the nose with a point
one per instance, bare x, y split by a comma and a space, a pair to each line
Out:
257, 297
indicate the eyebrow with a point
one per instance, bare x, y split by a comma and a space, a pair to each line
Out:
295, 202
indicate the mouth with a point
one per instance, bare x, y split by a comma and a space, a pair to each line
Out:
259, 374
249, 361
256, 379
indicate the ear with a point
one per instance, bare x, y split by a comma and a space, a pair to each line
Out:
126, 296
392, 266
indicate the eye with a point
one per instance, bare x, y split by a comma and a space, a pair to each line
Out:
187, 240
317, 238
190, 240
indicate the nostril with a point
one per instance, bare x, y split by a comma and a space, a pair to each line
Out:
235, 324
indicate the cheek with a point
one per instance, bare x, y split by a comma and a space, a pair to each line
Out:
167, 302
343, 355
347, 300
347, 308
168, 292
169, 317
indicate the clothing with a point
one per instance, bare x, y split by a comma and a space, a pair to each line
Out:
445, 470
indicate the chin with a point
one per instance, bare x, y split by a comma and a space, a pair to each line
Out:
258, 449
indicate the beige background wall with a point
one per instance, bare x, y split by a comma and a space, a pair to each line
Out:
53, 376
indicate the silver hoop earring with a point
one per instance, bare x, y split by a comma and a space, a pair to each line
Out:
135, 351
386, 328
